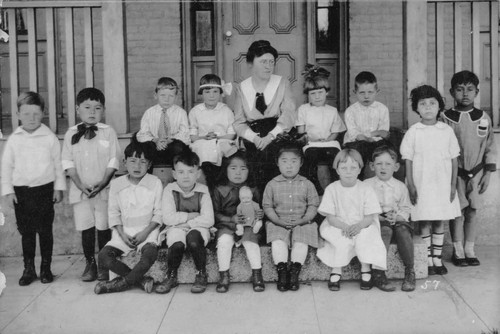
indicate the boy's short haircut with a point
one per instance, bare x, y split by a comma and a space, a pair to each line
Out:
425, 92
464, 78
384, 149
364, 77
138, 149
92, 94
31, 98
293, 148
188, 158
346, 153
210, 79
314, 83
168, 83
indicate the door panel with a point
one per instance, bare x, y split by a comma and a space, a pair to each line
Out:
281, 23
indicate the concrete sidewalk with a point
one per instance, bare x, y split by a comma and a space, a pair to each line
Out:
467, 300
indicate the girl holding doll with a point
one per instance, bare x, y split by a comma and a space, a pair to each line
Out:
430, 149
235, 174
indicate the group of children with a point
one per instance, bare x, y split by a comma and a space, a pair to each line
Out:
448, 158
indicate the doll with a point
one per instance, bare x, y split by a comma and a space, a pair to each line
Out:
248, 208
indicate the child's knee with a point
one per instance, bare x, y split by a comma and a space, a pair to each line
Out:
225, 242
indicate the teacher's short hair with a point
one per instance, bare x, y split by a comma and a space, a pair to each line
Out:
260, 48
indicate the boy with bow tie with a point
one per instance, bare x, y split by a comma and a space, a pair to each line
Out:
90, 157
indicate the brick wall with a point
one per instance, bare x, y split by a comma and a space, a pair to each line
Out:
376, 45
153, 51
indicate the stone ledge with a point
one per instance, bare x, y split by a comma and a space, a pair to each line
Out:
313, 269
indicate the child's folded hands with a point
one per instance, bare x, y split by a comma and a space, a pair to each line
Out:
127, 239
139, 238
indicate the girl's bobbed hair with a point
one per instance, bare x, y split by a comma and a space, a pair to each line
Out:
241, 155
315, 77
426, 92
260, 48
210, 81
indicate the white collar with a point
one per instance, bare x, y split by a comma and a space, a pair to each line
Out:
43, 130
249, 91
439, 125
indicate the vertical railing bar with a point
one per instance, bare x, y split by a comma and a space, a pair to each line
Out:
32, 50
457, 36
494, 63
440, 47
14, 70
89, 47
476, 45
51, 68
70, 65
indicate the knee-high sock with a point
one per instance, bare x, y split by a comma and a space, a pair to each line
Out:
427, 240
299, 252
224, 249
88, 243
253, 254
437, 248
103, 237
279, 249
365, 271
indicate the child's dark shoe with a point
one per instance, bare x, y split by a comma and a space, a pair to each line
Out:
334, 283
147, 284
45, 272
366, 285
431, 270
223, 284
90, 272
409, 280
440, 270
472, 261
200, 282
258, 280
282, 277
380, 281
29, 273
118, 284
168, 283
294, 276
459, 261
102, 273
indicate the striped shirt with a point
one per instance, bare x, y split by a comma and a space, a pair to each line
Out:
177, 119
361, 120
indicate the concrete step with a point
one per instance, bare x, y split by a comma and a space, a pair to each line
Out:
313, 269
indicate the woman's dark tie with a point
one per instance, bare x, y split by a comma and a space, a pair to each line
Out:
260, 103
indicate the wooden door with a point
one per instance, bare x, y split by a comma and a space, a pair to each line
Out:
281, 23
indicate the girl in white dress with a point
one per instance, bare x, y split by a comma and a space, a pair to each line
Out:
430, 149
211, 126
351, 227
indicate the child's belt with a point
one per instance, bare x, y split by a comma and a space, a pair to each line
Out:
467, 175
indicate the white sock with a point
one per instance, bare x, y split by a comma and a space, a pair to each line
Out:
224, 249
279, 249
459, 249
469, 249
437, 248
299, 252
336, 274
253, 254
427, 240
